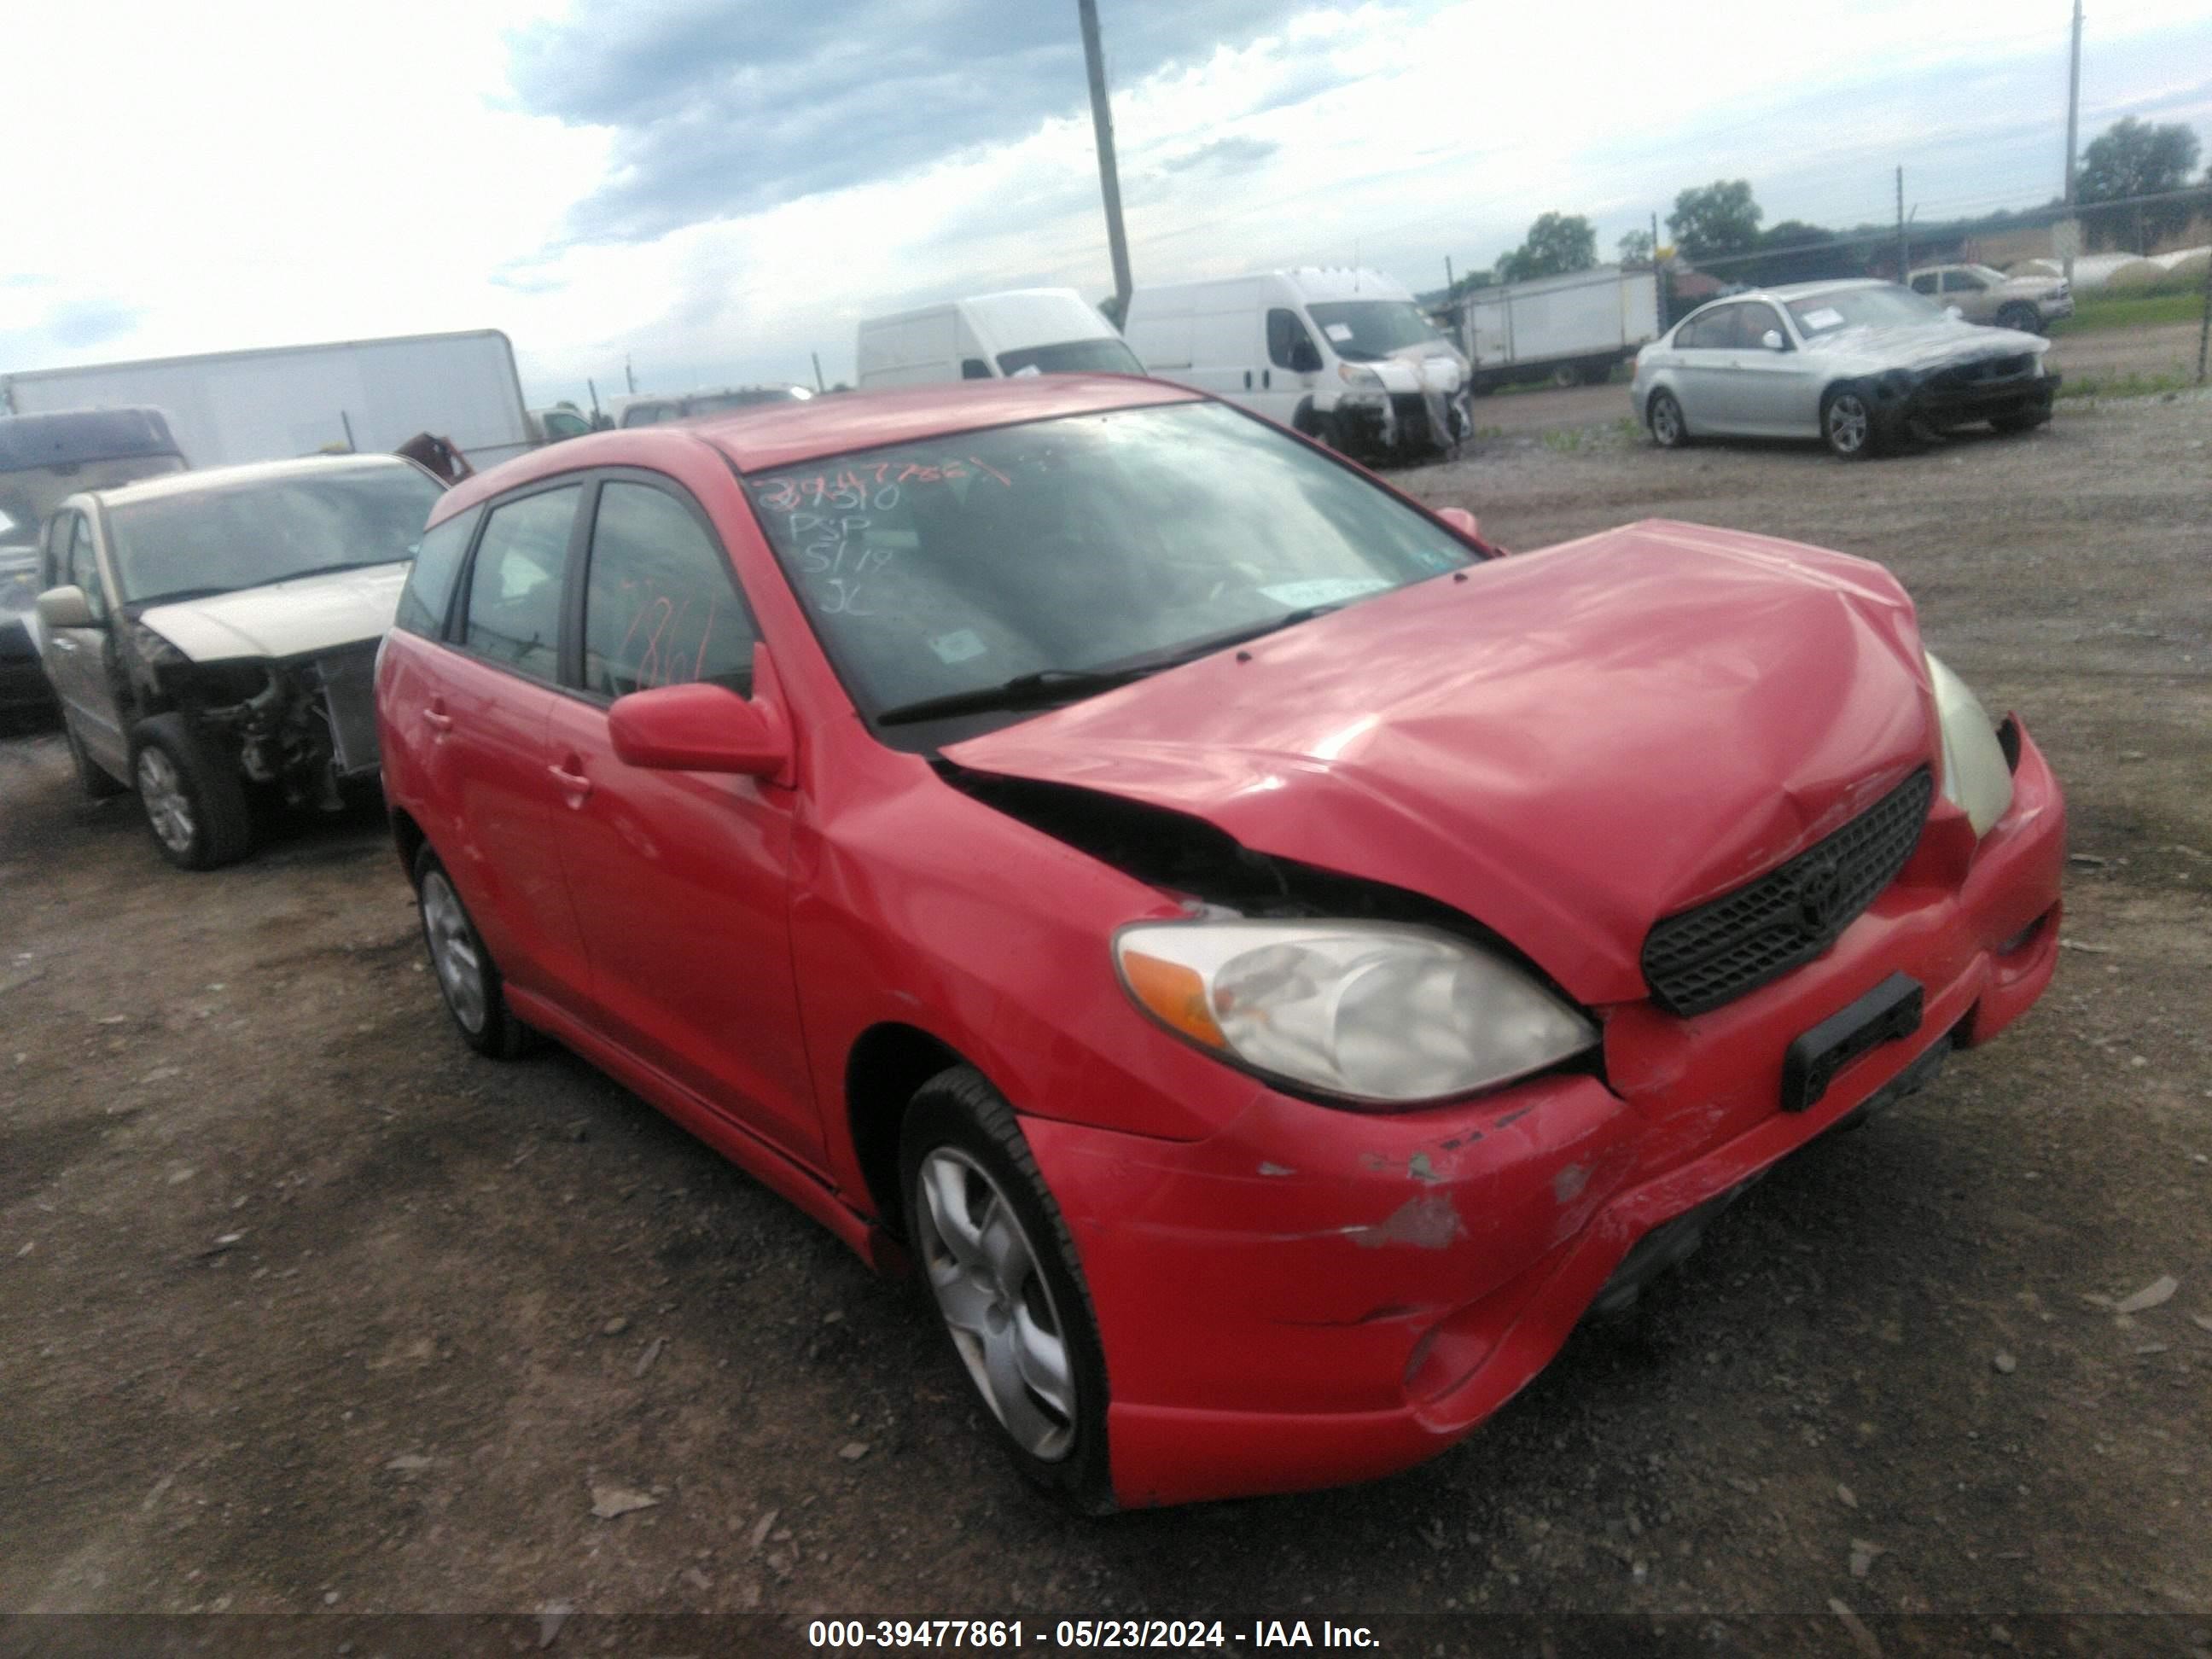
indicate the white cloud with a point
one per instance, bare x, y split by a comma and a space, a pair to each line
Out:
248, 175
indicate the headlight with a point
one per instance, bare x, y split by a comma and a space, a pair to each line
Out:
1365, 379
1975, 777
1372, 1012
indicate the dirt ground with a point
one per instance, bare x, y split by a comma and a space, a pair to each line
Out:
302, 1307
2168, 348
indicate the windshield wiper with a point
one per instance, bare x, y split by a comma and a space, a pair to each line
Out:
1047, 686
1040, 689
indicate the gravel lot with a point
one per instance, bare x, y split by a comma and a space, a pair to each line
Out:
301, 1306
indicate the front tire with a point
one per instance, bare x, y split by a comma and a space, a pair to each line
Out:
1847, 423
996, 1261
195, 801
2025, 318
468, 979
1664, 416
2025, 420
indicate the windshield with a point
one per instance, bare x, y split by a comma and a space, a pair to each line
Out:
1366, 330
1104, 355
29, 497
710, 402
246, 534
1855, 308
1085, 543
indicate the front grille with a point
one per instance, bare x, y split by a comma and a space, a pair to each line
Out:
350, 693
1697, 959
1411, 409
1966, 376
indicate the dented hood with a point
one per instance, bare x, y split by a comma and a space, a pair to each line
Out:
1921, 346
1566, 746
284, 619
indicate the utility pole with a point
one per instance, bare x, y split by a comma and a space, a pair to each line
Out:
1109, 180
2073, 119
1904, 264
1658, 278
627, 377
818, 386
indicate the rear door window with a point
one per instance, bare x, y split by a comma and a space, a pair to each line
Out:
427, 599
659, 606
515, 583
1708, 329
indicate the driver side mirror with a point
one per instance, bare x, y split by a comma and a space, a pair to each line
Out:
1952, 311
1462, 520
66, 607
698, 728
1772, 340
1305, 358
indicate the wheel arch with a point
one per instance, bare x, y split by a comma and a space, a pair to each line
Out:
408, 838
888, 1063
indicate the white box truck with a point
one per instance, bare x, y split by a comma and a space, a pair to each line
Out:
988, 336
1569, 329
283, 401
1343, 355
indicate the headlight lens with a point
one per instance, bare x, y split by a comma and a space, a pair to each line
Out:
1354, 374
1369, 1010
1975, 777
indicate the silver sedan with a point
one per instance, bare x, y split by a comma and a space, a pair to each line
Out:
1861, 365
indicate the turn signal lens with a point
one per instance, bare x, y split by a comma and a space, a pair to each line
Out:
1174, 995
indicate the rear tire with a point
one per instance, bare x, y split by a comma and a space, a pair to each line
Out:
1847, 422
1664, 416
1597, 372
91, 777
2021, 315
195, 800
468, 979
1000, 1274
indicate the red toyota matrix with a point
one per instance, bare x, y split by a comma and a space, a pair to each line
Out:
1269, 962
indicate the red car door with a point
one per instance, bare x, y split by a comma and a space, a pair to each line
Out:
488, 706
680, 879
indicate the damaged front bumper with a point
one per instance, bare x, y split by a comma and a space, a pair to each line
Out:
306, 725
2001, 388
1314, 1296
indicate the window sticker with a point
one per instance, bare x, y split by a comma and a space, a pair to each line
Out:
957, 647
1339, 333
1328, 590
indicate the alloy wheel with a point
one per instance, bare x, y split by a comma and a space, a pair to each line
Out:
1849, 422
1666, 422
983, 1269
169, 808
453, 953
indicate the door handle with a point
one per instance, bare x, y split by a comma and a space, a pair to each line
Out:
1267, 379
1248, 380
575, 782
437, 720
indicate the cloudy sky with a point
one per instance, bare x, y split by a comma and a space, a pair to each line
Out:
710, 189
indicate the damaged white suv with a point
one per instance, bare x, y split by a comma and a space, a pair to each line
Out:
212, 636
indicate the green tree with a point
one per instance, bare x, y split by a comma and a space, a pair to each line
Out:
2135, 158
1794, 251
1716, 220
1556, 244
1634, 248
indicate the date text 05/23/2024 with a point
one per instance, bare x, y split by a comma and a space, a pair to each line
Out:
1010, 1633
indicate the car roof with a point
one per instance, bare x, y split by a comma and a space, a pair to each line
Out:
252, 472
770, 435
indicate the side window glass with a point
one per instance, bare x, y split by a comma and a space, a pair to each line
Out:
659, 606
1752, 323
1714, 328
1965, 282
84, 566
514, 588
428, 597
975, 368
1285, 333
1924, 283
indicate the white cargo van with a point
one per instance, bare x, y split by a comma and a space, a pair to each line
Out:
1029, 330
1343, 355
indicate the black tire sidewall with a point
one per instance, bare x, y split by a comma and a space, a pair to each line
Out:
2016, 310
1651, 422
960, 1110
222, 822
